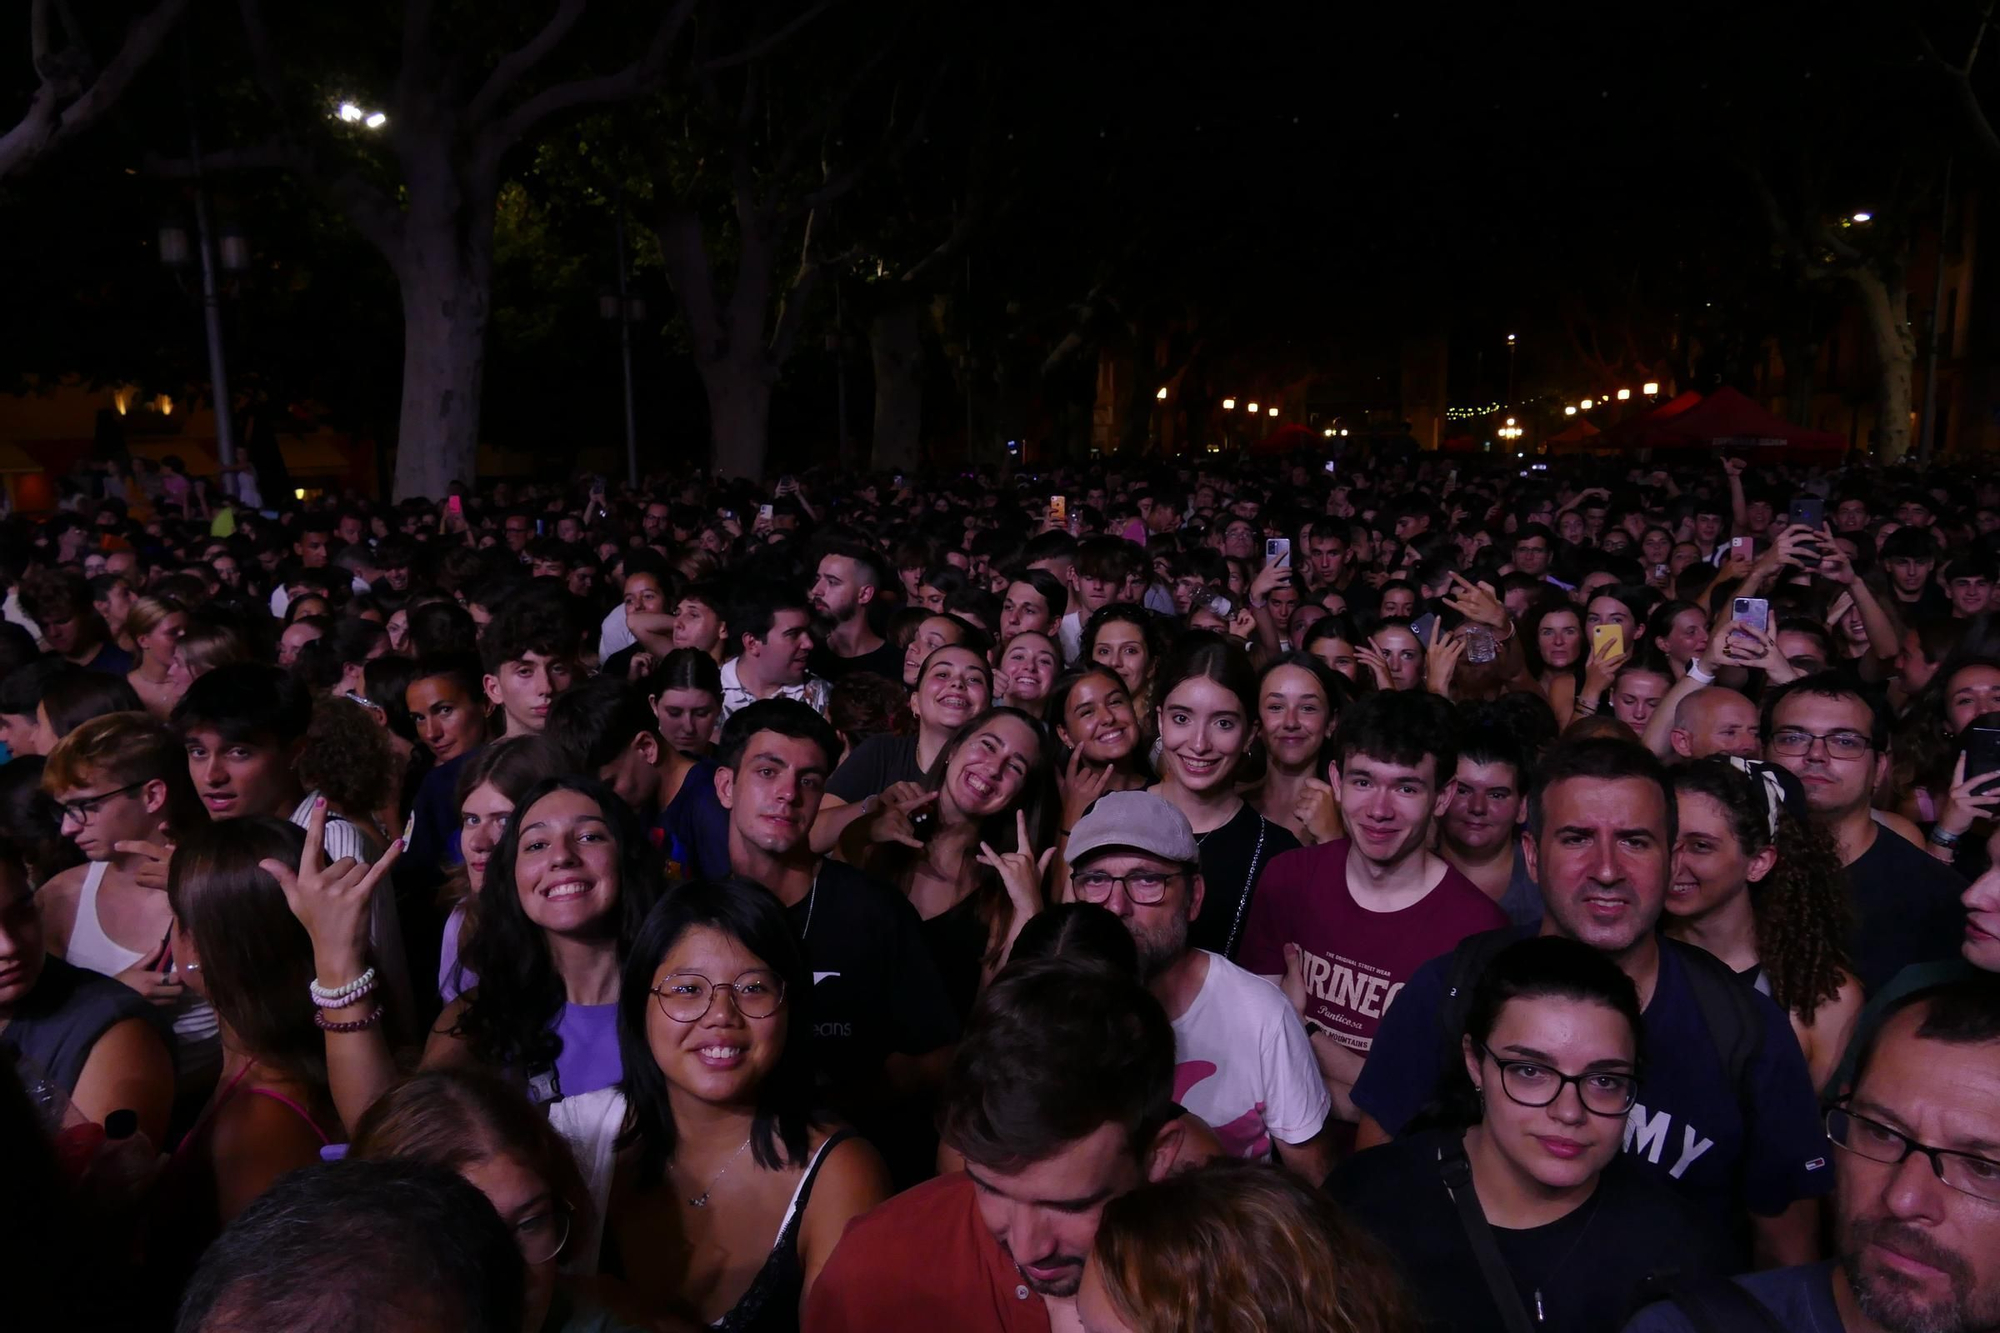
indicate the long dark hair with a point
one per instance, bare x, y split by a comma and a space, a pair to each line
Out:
1801, 908
1057, 705
256, 959
750, 915
1530, 631
1202, 655
510, 1019
1531, 969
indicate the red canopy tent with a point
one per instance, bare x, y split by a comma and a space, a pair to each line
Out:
1727, 419
1578, 437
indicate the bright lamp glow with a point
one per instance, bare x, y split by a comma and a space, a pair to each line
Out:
1274, 411
1328, 432
352, 114
1588, 403
1569, 411
1162, 394
1651, 388
376, 121
1343, 433
1229, 404
1251, 408
1864, 217
1624, 394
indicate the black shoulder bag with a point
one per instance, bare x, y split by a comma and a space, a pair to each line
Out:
1457, 1174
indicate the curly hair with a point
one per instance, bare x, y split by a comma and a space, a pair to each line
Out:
1801, 908
347, 758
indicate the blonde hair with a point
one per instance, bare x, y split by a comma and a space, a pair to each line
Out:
207, 646
147, 613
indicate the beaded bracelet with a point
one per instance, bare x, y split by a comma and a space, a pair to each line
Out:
333, 997
347, 1001
326, 1024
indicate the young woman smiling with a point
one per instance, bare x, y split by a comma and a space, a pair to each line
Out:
1757, 886
1126, 637
1208, 716
969, 852
1530, 1121
730, 1193
954, 685
1029, 665
558, 907
1300, 702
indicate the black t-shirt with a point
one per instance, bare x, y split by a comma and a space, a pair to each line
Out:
876, 990
1931, 604
1906, 909
1233, 858
1583, 1272
877, 764
886, 661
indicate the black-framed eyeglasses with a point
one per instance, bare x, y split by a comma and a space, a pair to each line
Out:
1840, 744
82, 810
1963, 1171
1144, 887
1529, 1083
686, 997
541, 1238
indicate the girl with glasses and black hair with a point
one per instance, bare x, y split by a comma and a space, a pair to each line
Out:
1762, 889
1516, 1170
730, 1193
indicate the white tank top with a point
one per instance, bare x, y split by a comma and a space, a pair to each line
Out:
197, 1038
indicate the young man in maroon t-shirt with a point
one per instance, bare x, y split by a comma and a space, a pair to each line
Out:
1360, 915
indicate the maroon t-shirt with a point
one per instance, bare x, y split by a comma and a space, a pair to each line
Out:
1355, 960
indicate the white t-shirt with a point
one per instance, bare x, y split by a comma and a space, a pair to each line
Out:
1244, 1064
614, 635
1070, 635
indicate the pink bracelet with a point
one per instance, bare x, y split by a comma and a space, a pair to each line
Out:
326, 1024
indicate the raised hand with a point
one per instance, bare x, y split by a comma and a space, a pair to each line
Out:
1378, 666
1476, 601
1971, 799
1081, 786
155, 984
1021, 870
896, 820
152, 871
1442, 661
1318, 812
332, 901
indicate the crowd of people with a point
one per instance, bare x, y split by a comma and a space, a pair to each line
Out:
1392, 893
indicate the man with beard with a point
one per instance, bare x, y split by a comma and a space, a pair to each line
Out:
1917, 1206
847, 584
1060, 1098
1244, 1064
1726, 1113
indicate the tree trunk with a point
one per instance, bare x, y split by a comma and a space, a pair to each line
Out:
1883, 303
739, 415
446, 275
896, 347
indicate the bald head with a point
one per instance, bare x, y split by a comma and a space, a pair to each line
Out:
1715, 720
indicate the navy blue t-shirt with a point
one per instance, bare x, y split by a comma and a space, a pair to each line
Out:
1688, 1127
694, 828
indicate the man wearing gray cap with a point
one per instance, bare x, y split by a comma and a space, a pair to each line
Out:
1244, 1063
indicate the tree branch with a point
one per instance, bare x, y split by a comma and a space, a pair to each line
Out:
519, 62
768, 44
44, 128
1960, 79
639, 76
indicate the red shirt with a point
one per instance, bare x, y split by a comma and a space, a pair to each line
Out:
923, 1261
1355, 960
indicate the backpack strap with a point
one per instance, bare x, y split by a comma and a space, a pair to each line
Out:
1456, 1172
1462, 971
1714, 1304
1729, 1008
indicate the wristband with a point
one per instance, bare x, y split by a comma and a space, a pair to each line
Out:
334, 997
1696, 673
362, 1024
1943, 839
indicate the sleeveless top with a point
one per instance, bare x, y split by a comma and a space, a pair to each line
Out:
771, 1304
197, 1034
58, 1024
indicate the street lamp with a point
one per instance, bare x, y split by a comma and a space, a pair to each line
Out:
1651, 389
1588, 403
1229, 404
1252, 408
1510, 369
1569, 411
351, 114
1162, 394
1274, 411
1624, 395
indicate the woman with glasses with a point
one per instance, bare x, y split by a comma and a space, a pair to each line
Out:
1520, 1157
1764, 891
483, 1128
730, 1193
